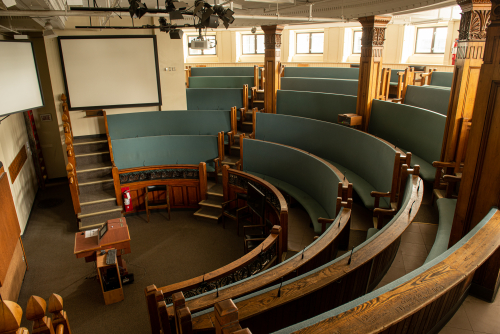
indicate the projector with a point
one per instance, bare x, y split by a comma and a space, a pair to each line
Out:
199, 44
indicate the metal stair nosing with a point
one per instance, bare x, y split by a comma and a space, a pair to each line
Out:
91, 142
204, 215
95, 182
90, 154
80, 216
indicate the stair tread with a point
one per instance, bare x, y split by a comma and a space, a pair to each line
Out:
235, 147
89, 214
213, 202
96, 180
97, 196
208, 212
104, 207
96, 221
246, 123
102, 151
230, 159
85, 140
216, 190
92, 166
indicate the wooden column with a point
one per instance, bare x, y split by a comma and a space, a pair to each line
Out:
370, 67
480, 186
472, 38
272, 63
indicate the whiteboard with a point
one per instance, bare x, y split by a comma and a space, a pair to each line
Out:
20, 88
110, 71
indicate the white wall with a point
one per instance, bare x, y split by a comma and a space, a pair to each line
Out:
13, 136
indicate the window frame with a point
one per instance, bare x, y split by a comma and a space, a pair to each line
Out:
433, 41
255, 45
202, 51
353, 41
310, 42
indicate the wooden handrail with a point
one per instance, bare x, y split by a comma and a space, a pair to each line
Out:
344, 279
424, 300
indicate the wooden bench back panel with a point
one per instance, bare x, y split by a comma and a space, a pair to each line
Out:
223, 71
335, 86
322, 72
214, 98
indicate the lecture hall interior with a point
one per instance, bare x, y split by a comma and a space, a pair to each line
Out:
249, 166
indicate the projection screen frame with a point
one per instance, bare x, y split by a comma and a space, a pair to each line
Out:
115, 106
37, 75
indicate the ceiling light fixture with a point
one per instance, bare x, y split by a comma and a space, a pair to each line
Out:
48, 30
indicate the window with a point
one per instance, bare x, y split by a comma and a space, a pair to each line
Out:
253, 44
356, 43
309, 42
193, 52
431, 40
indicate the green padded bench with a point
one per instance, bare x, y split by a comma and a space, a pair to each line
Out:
322, 72
446, 208
221, 82
165, 150
320, 106
214, 99
366, 161
428, 97
172, 122
416, 130
335, 86
222, 71
393, 81
304, 177
443, 79
355, 304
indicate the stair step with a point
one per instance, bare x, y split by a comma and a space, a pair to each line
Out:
216, 190
247, 123
96, 146
209, 212
90, 214
95, 181
214, 203
97, 201
87, 140
106, 151
93, 166
96, 221
235, 147
100, 206
258, 101
97, 191
93, 158
93, 175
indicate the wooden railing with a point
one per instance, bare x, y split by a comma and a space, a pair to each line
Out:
11, 315
344, 280
70, 153
425, 302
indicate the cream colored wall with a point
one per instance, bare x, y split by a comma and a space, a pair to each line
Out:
13, 136
393, 46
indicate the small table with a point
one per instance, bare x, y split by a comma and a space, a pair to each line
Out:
117, 237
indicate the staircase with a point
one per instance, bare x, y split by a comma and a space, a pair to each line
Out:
97, 193
211, 208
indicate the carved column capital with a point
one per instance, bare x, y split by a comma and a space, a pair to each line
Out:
373, 30
272, 36
475, 19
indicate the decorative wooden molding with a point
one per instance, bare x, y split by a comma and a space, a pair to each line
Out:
17, 164
272, 41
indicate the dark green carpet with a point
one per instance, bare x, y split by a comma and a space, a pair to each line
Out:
163, 252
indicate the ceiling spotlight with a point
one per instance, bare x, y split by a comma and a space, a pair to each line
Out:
49, 30
176, 34
253, 30
137, 9
225, 14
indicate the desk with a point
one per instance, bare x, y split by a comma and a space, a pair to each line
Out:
116, 237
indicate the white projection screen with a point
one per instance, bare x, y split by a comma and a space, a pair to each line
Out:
110, 71
20, 88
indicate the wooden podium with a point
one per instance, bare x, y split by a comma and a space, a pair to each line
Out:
110, 279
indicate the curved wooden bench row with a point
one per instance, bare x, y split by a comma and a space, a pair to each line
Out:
221, 82
369, 163
412, 129
321, 251
187, 184
421, 301
336, 86
222, 71
322, 72
218, 99
331, 285
315, 105
434, 98
435, 78
309, 179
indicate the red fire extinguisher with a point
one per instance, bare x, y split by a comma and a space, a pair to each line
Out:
454, 52
127, 199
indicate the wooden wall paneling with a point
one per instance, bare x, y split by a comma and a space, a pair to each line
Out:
272, 58
479, 189
9, 225
10, 287
372, 45
472, 38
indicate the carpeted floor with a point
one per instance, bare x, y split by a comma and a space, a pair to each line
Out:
163, 252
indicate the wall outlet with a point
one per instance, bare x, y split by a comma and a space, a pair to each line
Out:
169, 68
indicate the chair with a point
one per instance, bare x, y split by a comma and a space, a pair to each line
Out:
152, 204
252, 240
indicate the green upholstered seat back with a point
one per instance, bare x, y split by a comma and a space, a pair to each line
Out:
336, 86
443, 79
221, 71
365, 155
163, 150
418, 130
321, 106
307, 173
394, 75
428, 97
221, 82
214, 98
172, 122
322, 72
